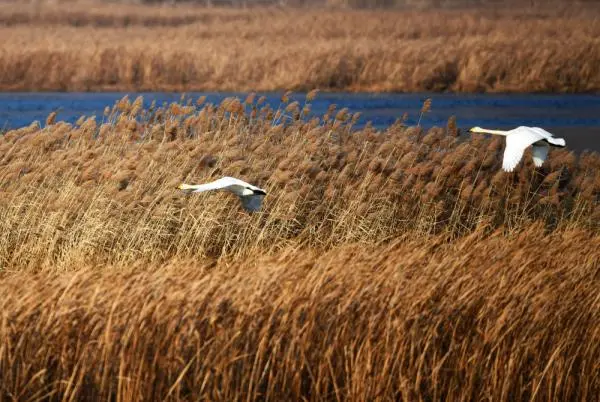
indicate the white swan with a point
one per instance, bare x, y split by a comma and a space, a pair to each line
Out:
520, 138
250, 196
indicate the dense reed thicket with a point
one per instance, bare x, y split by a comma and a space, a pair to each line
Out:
393, 265
125, 47
105, 191
500, 319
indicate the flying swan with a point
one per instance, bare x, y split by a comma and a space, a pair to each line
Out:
518, 139
250, 196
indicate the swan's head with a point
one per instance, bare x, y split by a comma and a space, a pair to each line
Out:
476, 129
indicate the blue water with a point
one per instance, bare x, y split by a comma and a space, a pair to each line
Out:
573, 117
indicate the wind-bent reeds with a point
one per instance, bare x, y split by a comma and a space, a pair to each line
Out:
499, 318
105, 192
392, 265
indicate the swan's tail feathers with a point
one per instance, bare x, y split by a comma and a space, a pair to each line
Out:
557, 142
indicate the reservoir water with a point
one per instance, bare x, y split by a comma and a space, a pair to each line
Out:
573, 117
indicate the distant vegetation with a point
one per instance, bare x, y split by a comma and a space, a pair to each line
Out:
398, 265
370, 4
127, 47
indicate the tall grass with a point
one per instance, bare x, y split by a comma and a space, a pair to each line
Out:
384, 265
104, 191
500, 319
119, 47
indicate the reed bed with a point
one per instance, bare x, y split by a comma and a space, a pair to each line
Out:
102, 47
385, 265
103, 190
500, 319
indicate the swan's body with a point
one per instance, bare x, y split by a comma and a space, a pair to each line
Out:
250, 196
518, 139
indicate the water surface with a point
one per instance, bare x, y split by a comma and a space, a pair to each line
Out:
573, 117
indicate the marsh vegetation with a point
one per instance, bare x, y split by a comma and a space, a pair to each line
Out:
103, 46
401, 264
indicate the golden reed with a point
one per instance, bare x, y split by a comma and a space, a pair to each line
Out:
125, 47
393, 265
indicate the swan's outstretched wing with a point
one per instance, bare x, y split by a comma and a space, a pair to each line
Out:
232, 184
252, 203
516, 142
559, 142
540, 131
250, 196
540, 152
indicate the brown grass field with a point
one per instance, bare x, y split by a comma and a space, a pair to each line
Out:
499, 319
83, 46
394, 265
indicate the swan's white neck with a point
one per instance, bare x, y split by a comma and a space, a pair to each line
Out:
486, 131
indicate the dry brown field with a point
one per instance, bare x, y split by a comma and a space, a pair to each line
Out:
394, 265
88, 46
